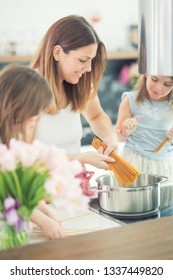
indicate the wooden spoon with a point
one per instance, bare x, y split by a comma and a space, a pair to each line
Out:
161, 145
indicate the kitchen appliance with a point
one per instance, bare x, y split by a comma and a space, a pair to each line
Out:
122, 220
155, 33
141, 198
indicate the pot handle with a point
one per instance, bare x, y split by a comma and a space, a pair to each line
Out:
95, 189
164, 179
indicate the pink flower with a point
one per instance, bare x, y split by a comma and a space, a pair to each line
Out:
9, 202
124, 75
24, 153
11, 217
3, 149
7, 161
35, 170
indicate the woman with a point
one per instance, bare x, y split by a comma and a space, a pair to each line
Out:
72, 58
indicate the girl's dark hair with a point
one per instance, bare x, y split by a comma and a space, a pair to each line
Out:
71, 33
23, 94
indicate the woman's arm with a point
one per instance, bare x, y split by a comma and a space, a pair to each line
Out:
101, 124
93, 158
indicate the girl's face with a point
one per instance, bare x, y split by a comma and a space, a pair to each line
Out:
73, 65
159, 87
30, 124
25, 130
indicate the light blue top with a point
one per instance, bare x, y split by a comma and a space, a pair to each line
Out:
155, 120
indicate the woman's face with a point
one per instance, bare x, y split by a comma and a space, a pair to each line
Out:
159, 87
73, 65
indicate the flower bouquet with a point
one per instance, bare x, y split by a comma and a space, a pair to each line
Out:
30, 173
129, 75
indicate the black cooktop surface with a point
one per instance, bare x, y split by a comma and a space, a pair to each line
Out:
126, 218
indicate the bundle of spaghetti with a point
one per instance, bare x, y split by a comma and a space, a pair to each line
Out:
125, 173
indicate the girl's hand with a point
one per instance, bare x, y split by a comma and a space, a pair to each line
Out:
170, 134
129, 126
51, 229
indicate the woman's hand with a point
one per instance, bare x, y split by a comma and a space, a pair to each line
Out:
129, 126
111, 142
96, 159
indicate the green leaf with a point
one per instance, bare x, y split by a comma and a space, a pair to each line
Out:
38, 182
1, 206
17, 187
26, 177
3, 190
23, 212
39, 195
10, 184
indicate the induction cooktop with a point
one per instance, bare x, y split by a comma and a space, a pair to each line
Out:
130, 218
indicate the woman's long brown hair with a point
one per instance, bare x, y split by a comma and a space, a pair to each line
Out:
71, 33
23, 94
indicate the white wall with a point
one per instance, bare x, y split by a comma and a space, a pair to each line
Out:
25, 21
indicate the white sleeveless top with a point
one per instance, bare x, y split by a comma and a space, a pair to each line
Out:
63, 130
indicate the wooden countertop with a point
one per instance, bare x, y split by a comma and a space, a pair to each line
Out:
147, 240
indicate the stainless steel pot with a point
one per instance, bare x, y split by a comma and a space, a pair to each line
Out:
141, 197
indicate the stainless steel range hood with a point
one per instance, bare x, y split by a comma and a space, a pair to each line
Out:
155, 37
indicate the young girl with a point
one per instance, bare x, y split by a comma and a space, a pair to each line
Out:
24, 94
145, 118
